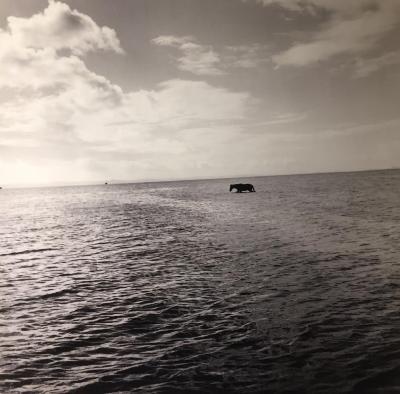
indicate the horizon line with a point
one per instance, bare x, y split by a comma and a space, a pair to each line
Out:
122, 182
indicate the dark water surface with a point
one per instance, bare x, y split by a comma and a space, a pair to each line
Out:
183, 287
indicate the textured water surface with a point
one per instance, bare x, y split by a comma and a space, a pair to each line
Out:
184, 287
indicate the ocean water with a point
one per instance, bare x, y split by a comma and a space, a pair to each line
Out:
183, 287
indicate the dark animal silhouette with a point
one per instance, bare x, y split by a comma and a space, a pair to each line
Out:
242, 187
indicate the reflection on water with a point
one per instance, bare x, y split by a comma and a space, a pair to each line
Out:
185, 287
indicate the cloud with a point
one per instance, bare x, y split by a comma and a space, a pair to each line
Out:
200, 59
197, 59
246, 56
291, 5
355, 27
60, 27
27, 68
58, 114
173, 41
312, 6
365, 67
174, 106
29, 49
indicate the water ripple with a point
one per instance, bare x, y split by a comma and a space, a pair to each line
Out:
182, 287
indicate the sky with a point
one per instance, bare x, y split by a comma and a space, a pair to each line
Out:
136, 90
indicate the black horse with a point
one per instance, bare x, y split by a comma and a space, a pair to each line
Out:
242, 187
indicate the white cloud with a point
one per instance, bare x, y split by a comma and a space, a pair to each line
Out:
176, 105
354, 28
173, 41
197, 59
60, 27
292, 5
58, 114
311, 6
203, 59
246, 56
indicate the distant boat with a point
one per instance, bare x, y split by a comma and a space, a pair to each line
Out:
106, 183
